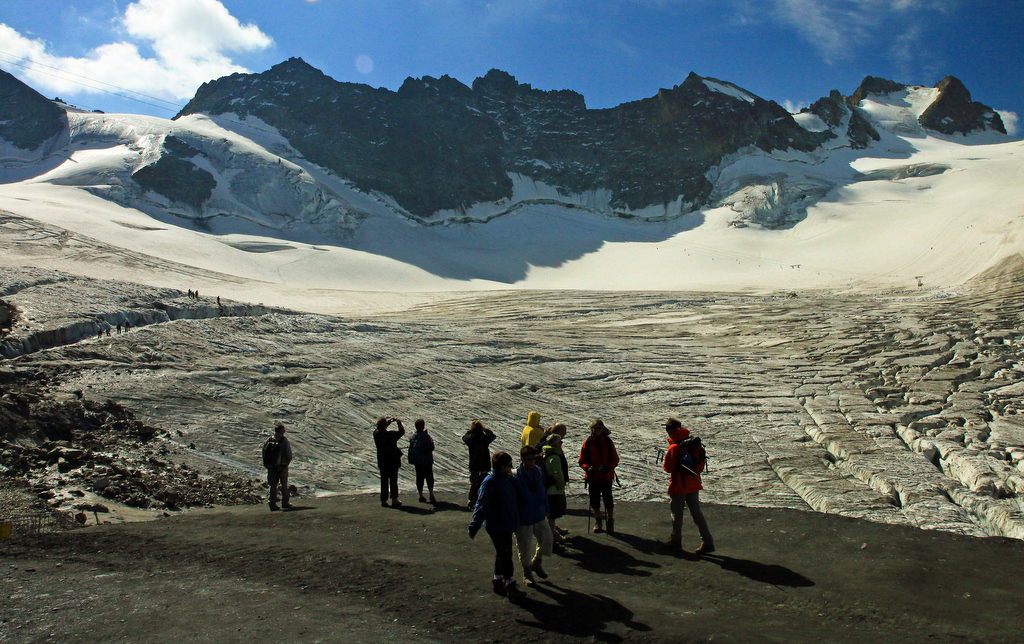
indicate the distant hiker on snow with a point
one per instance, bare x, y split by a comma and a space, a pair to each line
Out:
533, 431
277, 454
685, 460
598, 459
497, 510
532, 497
421, 456
478, 440
389, 459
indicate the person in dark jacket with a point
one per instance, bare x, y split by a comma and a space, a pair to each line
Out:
598, 459
684, 488
421, 456
497, 510
532, 496
277, 472
389, 459
478, 440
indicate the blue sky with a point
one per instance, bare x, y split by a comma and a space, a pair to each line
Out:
611, 51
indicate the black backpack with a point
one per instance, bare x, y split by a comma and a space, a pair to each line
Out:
694, 456
271, 453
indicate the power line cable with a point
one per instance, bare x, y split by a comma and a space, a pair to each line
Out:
122, 92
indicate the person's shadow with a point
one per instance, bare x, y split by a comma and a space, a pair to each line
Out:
577, 614
298, 508
765, 573
604, 559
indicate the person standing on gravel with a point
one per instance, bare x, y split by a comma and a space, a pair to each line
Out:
421, 456
478, 440
556, 471
532, 497
277, 455
389, 459
497, 510
533, 431
684, 461
598, 458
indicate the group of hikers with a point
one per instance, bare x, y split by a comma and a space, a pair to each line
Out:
520, 506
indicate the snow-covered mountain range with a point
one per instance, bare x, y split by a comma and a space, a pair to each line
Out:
293, 179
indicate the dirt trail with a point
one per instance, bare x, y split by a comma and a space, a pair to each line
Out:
345, 569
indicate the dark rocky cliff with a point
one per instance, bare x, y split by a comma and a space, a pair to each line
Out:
27, 118
437, 144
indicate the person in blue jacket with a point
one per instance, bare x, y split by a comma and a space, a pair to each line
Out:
532, 493
497, 511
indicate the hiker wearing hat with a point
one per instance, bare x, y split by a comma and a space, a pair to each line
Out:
389, 458
478, 440
598, 458
277, 454
556, 470
685, 460
497, 511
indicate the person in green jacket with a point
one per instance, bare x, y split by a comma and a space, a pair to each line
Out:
556, 469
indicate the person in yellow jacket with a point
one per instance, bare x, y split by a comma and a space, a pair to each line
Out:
533, 431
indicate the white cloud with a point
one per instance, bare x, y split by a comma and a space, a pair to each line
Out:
188, 39
792, 107
1010, 121
837, 28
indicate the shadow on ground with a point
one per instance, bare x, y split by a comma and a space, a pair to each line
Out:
578, 614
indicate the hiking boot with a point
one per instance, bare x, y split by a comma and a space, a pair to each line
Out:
513, 593
499, 586
706, 548
395, 503
286, 506
471, 505
528, 577
423, 499
598, 525
611, 522
561, 531
432, 499
674, 545
274, 508
536, 567
383, 504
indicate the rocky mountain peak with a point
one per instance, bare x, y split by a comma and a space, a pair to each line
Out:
953, 111
27, 118
872, 85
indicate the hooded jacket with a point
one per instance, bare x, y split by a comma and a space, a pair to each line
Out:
533, 431
497, 506
599, 452
681, 482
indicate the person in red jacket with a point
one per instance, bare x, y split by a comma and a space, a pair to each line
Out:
685, 486
598, 459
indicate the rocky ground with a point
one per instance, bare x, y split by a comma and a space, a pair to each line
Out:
345, 569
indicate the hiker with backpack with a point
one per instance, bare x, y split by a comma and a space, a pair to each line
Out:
389, 459
685, 460
598, 458
277, 455
497, 511
421, 456
478, 440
